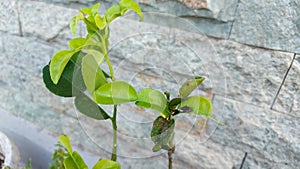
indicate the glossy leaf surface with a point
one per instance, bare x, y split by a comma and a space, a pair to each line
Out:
153, 99
65, 142
77, 43
92, 75
88, 107
107, 164
58, 64
71, 82
116, 92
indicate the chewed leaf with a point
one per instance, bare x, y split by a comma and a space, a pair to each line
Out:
199, 105
190, 85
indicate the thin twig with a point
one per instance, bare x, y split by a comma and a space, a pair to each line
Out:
244, 159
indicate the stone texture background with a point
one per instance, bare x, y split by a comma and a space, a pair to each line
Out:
247, 50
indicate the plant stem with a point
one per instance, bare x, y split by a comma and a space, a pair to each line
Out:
111, 70
170, 159
170, 152
114, 124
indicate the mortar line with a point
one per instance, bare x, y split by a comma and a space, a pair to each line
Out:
282, 83
19, 18
231, 26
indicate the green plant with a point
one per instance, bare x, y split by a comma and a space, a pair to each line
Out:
72, 72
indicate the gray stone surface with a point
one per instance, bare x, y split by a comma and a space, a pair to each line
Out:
233, 70
270, 138
44, 21
9, 21
269, 24
288, 100
222, 10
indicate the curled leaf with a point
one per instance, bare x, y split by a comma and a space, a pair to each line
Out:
131, 5
189, 86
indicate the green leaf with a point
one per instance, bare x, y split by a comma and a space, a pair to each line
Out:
107, 164
86, 11
131, 5
190, 85
77, 43
162, 133
69, 163
112, 13
90, 25
95, 8
71, 82
156, 148
92, 75
58, 64
153, 99
100, 22
79, 160
89, 108
65, 142
174, 102
199, 105
97, 47
74, 22
115, 92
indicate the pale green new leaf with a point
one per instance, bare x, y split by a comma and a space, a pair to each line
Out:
100, 21
77, 43
107, 164
58, 64
131, 5
112, 13
65, 142
92, 75
116, 92
199, 105
95, 8
69, 163
86, 11
79, 160
153, 99
74, 22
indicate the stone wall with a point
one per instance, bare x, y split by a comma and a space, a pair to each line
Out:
247, 50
